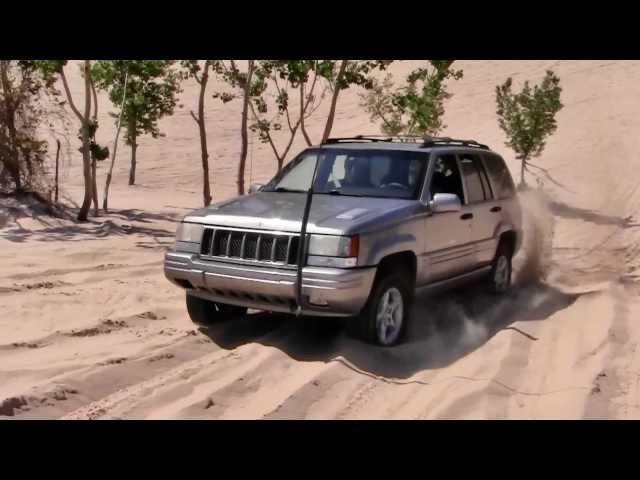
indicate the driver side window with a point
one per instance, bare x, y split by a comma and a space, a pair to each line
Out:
446, 177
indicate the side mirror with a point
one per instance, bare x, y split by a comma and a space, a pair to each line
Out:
445, 202
255, 187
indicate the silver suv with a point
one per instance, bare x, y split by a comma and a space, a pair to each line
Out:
352, 228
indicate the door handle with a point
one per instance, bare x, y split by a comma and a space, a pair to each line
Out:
466, 216
496, 209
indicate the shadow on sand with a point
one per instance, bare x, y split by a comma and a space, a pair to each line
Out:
567, 211
445, 328
97, 228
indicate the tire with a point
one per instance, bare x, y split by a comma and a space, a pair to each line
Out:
204, 312
370, 325
501, 273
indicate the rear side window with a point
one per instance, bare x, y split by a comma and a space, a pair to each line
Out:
477, 190
500, 177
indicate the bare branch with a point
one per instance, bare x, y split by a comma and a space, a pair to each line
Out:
87, 88
286, 110
194, 116
302, 113
69, 97
267, 133
379, 114
95, 98
316, 106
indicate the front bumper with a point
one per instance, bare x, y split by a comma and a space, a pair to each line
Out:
325, 291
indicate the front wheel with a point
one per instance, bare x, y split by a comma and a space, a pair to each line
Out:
383, 321
205, 312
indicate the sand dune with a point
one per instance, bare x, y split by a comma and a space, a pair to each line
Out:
90, 328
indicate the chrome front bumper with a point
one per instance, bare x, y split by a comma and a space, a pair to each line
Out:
326, 291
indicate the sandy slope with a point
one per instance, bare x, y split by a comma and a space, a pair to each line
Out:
89, 327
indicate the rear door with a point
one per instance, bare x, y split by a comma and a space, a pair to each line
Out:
448, 246
484, 207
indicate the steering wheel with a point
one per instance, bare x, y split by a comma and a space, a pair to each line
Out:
395, 185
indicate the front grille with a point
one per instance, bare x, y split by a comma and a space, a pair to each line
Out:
260, 247
266, 247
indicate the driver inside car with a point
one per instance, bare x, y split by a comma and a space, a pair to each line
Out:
398, 176
357, 173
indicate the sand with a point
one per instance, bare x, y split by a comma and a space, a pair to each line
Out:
90, 328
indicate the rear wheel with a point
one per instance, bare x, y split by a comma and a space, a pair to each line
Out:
383, 321
501, 270
205, 312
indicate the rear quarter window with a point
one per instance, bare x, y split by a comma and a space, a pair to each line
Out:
500, 177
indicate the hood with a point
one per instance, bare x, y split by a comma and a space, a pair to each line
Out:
282, 211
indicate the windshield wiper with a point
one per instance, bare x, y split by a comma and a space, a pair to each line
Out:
339, 192
288, 190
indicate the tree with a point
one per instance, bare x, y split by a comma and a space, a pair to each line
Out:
296, 74
350, 72
283, 76
152, 90
105, 200
416, 107
201, 75
303, 77
528, 117
21, 151
53, 69
232, 75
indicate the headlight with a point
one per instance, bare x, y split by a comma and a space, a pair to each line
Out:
333, 246
189, 232
333, 251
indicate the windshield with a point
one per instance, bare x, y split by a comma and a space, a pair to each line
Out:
366, 173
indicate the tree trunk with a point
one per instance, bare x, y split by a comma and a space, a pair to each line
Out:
57, 163
86, 170
302, 113
243, 129
94, 186
84, 127
334, 101
206, 189
86, 152
134, 148
105, 201
94, 166
132, 170
523, 162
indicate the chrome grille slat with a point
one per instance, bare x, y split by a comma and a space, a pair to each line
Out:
243, 245
228, 249
213, 241
260, 247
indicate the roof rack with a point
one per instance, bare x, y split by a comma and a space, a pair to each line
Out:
376, 138
425, 140
435, 141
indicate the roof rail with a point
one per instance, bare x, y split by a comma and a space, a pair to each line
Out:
426, 141
435, 141
376, 138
